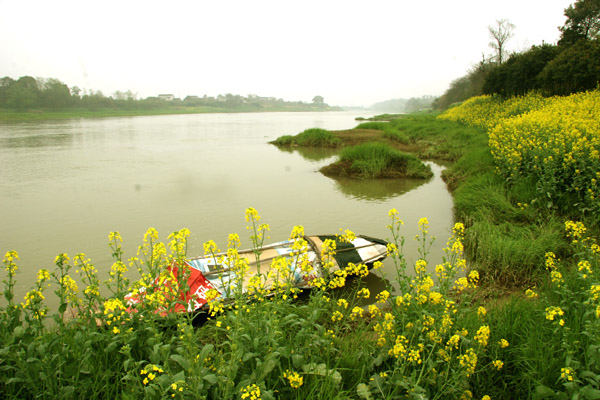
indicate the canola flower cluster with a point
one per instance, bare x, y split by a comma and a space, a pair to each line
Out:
575, 300
417, 332
420, 330
556, 140
250, 392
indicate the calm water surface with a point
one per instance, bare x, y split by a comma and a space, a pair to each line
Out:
64, 185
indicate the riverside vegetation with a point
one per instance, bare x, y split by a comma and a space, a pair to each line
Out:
30, 98
512, 311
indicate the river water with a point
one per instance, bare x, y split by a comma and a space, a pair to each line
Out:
64, 185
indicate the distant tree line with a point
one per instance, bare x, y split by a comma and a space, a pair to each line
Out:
413, 104
570, 66
27, 93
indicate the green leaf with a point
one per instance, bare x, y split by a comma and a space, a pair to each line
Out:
180, 376
211, 378
543, 392
206, 350
588, 374
18, 332
112, 346
67, 392
150, 390
588, 392
268, 366
363, 391
62, 308
297, 360
183, 362
379, 360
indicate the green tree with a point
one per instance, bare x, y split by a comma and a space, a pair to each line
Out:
75, 91
5, 83
583, 22
96, 100
519, 74
575, 69
23, 94
318, 100
55, 94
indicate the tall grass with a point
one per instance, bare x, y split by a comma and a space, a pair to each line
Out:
375, 159
313, 137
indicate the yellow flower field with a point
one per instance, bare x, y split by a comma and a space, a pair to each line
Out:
556, 140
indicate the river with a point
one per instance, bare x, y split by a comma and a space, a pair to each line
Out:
64, 185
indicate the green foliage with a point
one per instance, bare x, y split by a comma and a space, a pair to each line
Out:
374, 159
324, 347
510, 254
571, 67
583, 22
286, 140
435, 139
377, 125
519, 74
575, 69
21, 94
390, 131
313, 137
28, 96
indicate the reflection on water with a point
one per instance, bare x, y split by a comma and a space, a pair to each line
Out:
356, 188
375, 189
309, 153
43, 140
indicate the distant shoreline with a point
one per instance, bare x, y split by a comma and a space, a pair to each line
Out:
12, 115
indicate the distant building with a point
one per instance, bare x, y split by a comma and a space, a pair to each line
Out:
166, 97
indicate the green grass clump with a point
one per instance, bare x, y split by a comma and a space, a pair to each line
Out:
389, 130
313, 137
512, 254
377, 125
286, 140
378, 160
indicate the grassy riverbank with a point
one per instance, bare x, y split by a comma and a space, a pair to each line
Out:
513, 311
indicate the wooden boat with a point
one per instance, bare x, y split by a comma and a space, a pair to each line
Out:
219, 273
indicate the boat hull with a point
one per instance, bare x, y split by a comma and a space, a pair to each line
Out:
298, 263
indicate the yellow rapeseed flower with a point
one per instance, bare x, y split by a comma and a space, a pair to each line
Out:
294, 379
250, 392
482, 335
567, 374
552, 312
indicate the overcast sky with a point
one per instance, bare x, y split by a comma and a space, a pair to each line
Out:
349, 52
